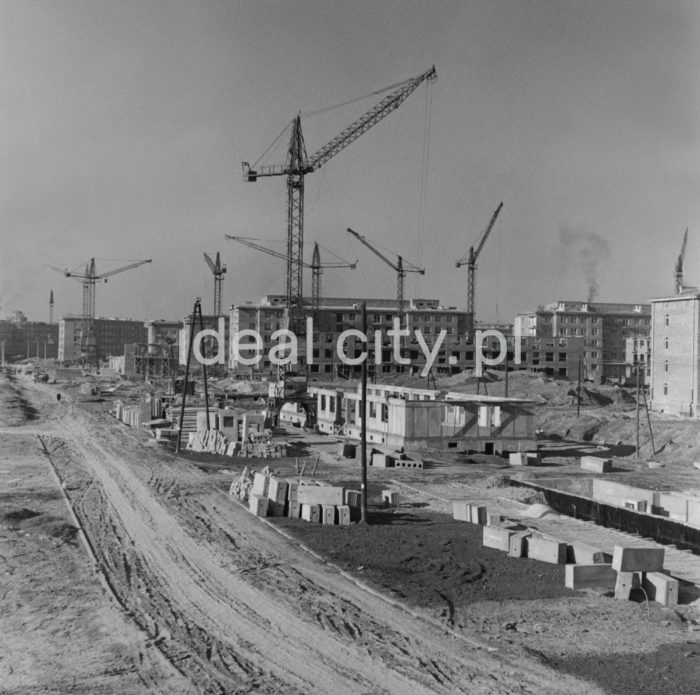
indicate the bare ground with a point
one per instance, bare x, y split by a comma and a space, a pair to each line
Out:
194, 594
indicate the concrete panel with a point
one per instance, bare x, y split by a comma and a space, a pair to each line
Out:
518, 543
320, 494
595, 464
629, 559
615, 493
660, 588
546, 550
518, 458
257, 505
676, 505
497, 537
589, 576
694, 513
294, 510
260, 485
461, 510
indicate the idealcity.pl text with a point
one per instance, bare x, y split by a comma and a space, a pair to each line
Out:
247, 346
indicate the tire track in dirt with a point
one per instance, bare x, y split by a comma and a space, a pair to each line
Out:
279, 620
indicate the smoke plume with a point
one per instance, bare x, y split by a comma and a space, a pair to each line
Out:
585, 251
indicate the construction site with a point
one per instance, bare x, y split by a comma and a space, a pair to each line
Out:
307, 493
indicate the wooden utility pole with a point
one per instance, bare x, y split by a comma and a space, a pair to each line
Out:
637, 441
363, 427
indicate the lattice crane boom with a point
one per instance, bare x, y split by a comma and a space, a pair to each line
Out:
315, 265
88, 279
299, 164
399, 267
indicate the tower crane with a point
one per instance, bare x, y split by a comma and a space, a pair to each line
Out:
469, 259
218, 269
51, 307
399, 267
679, 264
298, 164
315, 265
88, 279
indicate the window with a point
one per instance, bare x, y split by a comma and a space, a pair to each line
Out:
665, 365
323, 402
665, 389
666, 343
331, 403
666, 319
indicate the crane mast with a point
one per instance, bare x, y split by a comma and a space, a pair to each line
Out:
218, 270
88, 279
299, 164
679, 264
398, 267
470, 261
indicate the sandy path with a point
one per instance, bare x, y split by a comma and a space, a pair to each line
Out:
237, 608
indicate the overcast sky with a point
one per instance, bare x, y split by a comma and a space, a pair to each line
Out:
124, 125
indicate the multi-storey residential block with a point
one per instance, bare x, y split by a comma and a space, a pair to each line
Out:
111, 335
603, 326
675, 353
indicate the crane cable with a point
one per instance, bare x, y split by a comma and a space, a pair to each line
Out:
425, 166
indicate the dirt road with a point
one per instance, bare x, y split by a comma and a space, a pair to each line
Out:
232, 605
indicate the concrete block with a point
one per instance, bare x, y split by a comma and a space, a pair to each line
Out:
518, 458
533, 458
408, 463
320, 494
260, 485
277, 490
478, 514
275, 508
596, 464
344, 515
293, 510
630, 559
589, 576
517, 543
493, 519
390, 498
311, 512
636, 505
624, 583
582, 554
497, 537
461, 510
257, 505
328, 514
380, 460
661, 588
546, 550
292, 488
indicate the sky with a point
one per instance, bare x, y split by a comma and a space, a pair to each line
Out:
124, 124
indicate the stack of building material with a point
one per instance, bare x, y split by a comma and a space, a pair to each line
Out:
208, 441
272, 496
128, 414
261, 447
472, 513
